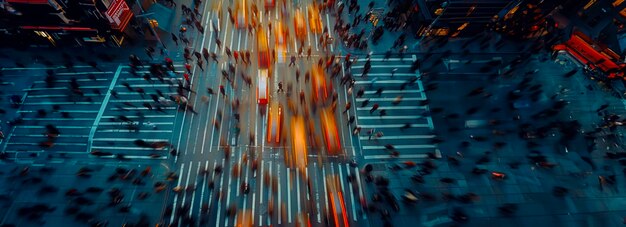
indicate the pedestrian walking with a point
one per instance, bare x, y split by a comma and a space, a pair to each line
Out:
382, 113
379, 91
308, 53
293, 61
222, 90
219, 43
188, 68
365, 102
228, 53
205, 54
200, 64
175, 39
374, 108
236, 56
348, 105
351, 120
214, 57
397, 100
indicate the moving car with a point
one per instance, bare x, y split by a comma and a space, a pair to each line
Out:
275, 123
331, 133
299, 26
262, 89
315, 21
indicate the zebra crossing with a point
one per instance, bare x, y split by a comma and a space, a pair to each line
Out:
392, 110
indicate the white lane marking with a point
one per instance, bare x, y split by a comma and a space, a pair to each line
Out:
225, 35
325, 191
289, 196
103, 106
330, 34
239, 42
298, 192
182, 165
351, 194
186, 183
280, 214
356, 120
404, 156
193, 194
361, 193
219, 199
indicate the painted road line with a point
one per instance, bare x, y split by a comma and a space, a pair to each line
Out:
82, 73
390, 99
204, 183
298, 192
141, 108
103, 106
60, 135
128, 139
60, 103
145, 116
402, 137
382, 66
40, 68
349, 189
133, 100
130, 148
186, 183
396, 91
395, 108
288, 196
124, 123
69, 111
57, 119
122, 93
402, 156
330, 34
430, 122
60, 126
140, 85
133, 157
394, 75
389, 117
62, 144
193, 194
380, 81
395, 126
413, 146
182, 166
361, 193
59, 96
77, 80
142, 131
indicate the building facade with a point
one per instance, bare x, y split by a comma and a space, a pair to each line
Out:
64, 22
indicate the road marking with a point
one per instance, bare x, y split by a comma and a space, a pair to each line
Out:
193, 194
404, 156
60, 136
142, 131
389, 117
395, 126
61, 144
412, 146
61, 103
77, 80
390, 99
381, 66
128, 139
402, 137
288, 196
60, 126
182, 165
145, 116
57, 119
396, 108
141, 108
380, 82
395, 91
124, 123
129, 148
394, 75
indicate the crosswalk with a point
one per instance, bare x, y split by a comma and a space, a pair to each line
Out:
404, 123
75, 113
53, 103
278, 195
137, 114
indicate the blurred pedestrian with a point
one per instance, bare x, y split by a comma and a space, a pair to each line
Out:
374, 108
